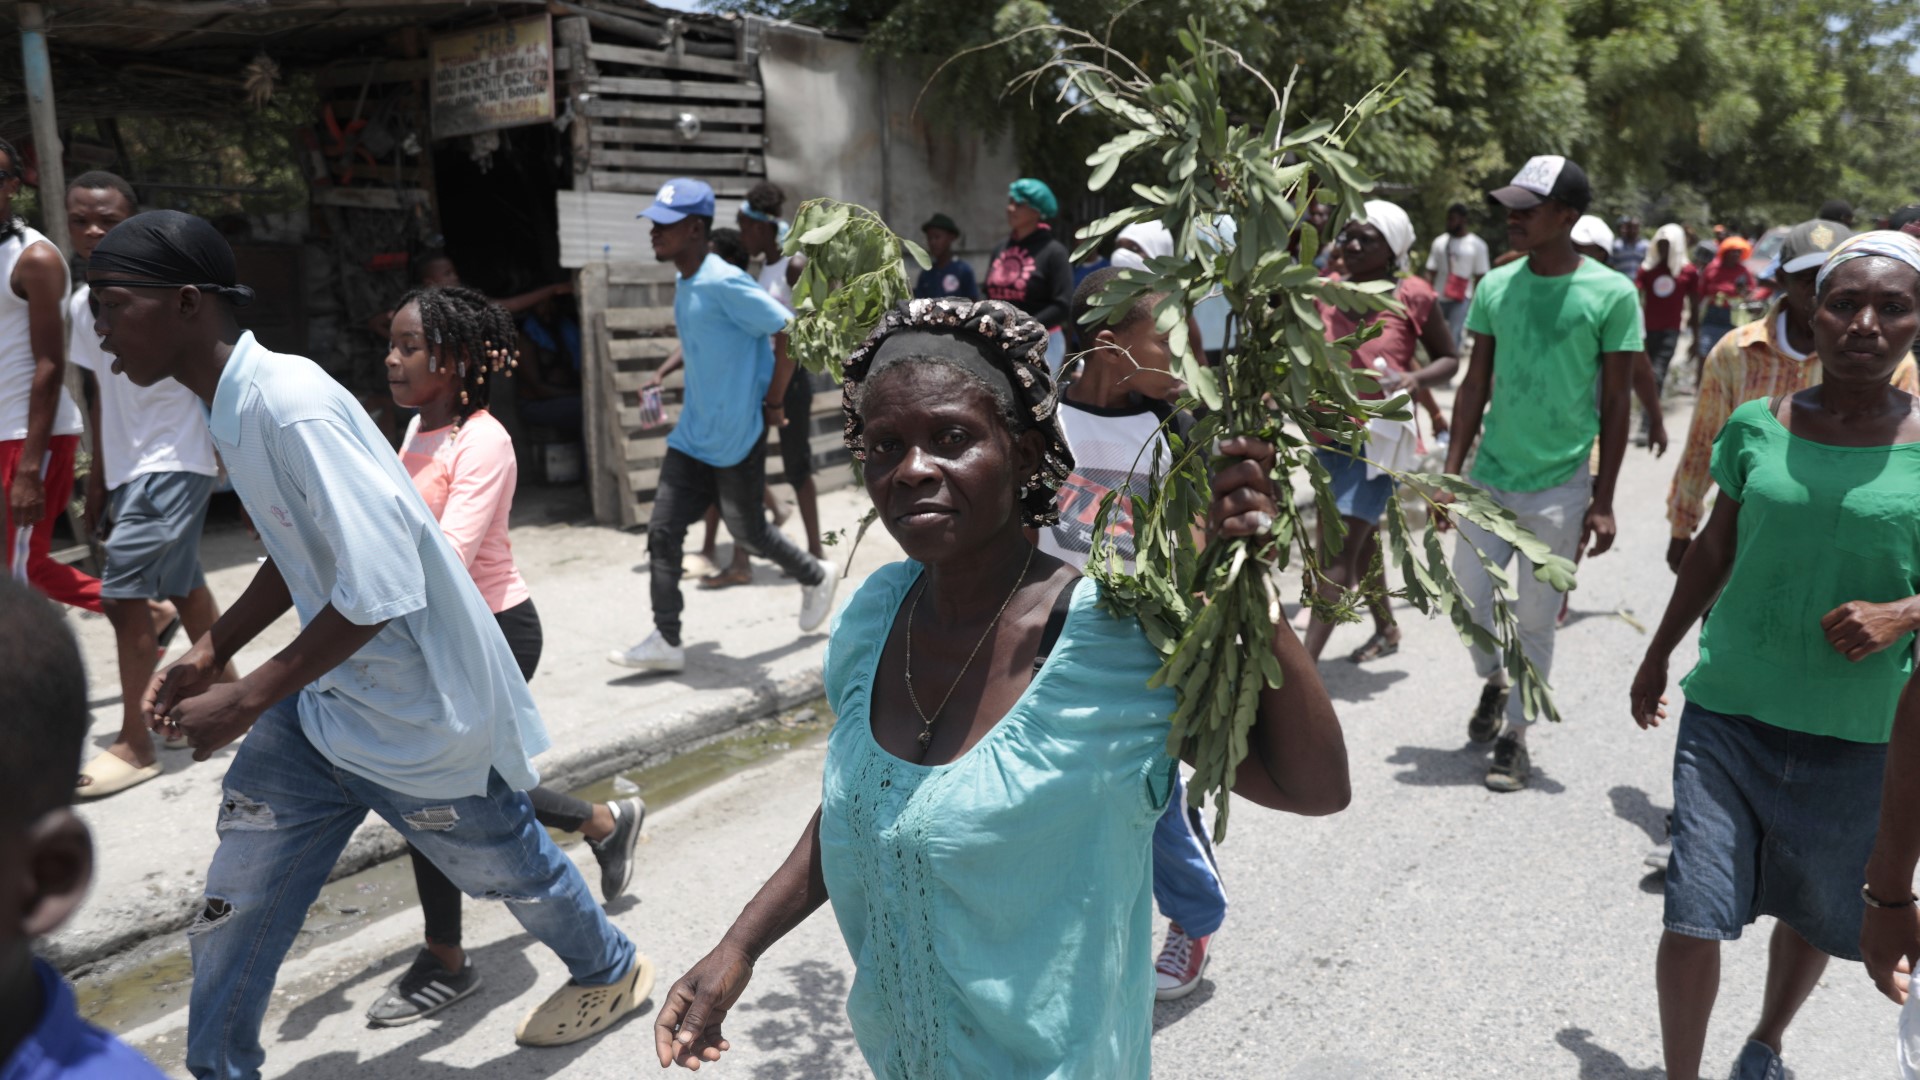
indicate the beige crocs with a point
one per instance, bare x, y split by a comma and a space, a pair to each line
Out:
109, 774
580, 1012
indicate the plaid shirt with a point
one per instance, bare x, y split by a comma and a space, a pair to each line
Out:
1745, 365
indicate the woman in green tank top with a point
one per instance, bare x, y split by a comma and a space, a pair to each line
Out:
992, 785
1810, 564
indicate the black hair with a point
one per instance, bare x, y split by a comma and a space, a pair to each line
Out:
102, 180
464, 328
727, 244
1461, 209
14, 167
1904, 216
426, 259
1835, 210
766, 197
1090, 286
44, 687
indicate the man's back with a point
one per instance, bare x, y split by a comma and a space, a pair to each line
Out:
726, 322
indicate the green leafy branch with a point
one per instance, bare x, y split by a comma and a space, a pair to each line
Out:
854, 275
1236, 199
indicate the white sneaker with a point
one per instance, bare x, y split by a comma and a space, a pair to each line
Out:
653, 654
816, 601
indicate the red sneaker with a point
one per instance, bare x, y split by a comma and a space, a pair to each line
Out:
1183, 960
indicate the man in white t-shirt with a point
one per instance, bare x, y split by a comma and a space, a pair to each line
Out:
39, 423
1454, 267
153, 472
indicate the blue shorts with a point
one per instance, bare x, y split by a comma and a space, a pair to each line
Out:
153, 546
1768, 821
1353, 494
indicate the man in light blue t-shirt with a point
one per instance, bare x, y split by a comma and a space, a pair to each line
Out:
733, 338
1556, 325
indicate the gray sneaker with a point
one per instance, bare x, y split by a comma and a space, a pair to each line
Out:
1757, 1061
1511, 765
1662, 853
1489, 714
615, 853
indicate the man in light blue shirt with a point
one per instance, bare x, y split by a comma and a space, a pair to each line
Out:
732, 335
399, 695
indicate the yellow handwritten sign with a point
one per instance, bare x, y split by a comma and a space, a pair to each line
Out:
497, 76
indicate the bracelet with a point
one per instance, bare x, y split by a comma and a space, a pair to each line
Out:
1873, 901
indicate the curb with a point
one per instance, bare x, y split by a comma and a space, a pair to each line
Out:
173, 899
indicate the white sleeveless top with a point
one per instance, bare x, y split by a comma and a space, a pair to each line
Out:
16, 347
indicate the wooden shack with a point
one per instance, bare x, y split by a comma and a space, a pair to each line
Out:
521, 190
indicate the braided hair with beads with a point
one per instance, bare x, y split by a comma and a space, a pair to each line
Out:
477, 336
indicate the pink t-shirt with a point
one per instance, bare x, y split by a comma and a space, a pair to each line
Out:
467, 480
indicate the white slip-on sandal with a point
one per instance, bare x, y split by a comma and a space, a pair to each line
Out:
576, 1012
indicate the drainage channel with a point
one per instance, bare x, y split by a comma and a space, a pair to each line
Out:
153, 979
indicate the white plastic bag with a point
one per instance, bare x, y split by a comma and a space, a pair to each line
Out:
1908, 1046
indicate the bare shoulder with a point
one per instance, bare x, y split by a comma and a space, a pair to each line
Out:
41, 264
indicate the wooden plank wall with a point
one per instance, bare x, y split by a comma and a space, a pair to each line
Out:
629, 143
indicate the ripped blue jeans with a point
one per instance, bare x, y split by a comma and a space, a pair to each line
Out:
286, 815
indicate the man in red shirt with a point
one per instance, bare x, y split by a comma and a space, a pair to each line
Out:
1666, 280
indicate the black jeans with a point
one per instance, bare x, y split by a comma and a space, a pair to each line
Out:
687, 487
1660, 346
440, 898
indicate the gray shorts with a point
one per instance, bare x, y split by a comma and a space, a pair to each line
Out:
153, 544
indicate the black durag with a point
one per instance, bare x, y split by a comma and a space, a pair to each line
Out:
165, 249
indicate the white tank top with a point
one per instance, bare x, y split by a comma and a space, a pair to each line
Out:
16, 347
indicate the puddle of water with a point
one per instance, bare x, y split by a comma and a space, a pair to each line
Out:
154, 980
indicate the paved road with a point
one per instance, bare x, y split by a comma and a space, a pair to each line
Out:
1433, 930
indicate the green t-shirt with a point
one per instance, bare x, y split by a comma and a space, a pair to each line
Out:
1819, 525
1548, 334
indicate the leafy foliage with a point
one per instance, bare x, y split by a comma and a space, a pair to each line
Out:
1697, 110
854, 275
1235, 197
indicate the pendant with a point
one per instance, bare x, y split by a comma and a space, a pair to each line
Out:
926, 737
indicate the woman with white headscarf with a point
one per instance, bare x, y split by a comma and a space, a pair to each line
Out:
1374, 248
1666, 280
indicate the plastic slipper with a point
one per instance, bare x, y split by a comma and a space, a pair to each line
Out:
176, 742
727, 579
107, 775
577, 1012
1377, 647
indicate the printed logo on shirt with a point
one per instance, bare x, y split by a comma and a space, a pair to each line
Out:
281, 515
1079, 504
1663, 286
1007, 278
950, 283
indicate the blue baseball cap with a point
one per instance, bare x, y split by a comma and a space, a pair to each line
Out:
679, 199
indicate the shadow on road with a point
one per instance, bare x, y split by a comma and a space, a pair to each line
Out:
507, 974
809, 1036
1599, 1063
1466, 767
1634, 807
710, 669
1168, 1013
1347, 681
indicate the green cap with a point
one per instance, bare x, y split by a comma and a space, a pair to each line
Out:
1030, 192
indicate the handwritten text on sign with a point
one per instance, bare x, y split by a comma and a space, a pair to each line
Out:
493, 77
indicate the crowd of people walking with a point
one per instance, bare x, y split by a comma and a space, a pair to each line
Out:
999, 812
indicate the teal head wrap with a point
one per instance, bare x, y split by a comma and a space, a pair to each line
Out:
1030, 192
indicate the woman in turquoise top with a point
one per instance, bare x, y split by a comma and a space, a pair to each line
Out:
1813, 554
992, 785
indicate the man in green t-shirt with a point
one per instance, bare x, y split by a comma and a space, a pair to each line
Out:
1557, 325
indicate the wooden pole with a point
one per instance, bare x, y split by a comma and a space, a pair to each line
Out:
37, 71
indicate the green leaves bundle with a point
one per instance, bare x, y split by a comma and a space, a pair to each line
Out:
1236, 198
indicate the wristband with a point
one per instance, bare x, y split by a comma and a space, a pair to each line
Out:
1873, 901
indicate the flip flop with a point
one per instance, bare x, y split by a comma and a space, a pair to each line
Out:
727, 579
1377, 647
109, 775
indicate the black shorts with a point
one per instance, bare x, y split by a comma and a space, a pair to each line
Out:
520, 624
796, 439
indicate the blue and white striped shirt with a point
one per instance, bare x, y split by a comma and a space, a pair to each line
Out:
435, 701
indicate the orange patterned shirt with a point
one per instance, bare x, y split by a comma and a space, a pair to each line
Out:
1745, 365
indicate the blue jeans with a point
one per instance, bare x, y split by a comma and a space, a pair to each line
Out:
287, 814
1186, 879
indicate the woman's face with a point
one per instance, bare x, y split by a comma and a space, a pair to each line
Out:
1021, 218
1365, 252
408, 379
1865, 322
942, 468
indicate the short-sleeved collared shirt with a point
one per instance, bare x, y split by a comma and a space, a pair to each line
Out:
726, 323
435, 701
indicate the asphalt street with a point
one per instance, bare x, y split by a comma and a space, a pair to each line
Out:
1434, 929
